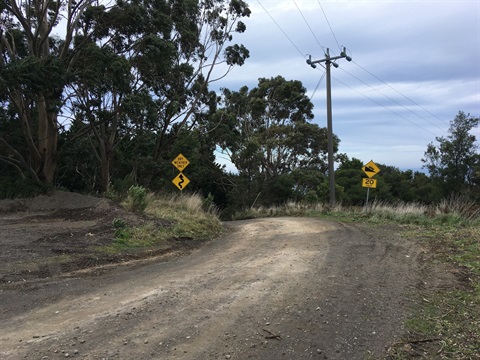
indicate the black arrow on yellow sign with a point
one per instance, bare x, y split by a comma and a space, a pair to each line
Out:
371, 169
181, 181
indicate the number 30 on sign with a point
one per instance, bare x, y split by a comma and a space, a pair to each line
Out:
369, 183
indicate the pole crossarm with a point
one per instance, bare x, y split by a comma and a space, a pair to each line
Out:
329, 59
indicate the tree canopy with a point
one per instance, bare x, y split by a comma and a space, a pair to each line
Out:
268, 135
95, 96
134, 66
455, 161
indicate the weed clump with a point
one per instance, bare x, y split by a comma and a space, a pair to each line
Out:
136, 199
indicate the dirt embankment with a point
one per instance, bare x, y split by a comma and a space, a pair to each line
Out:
56, 234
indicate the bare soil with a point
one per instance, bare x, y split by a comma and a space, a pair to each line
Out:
268, 289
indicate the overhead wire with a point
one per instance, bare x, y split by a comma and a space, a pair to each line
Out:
291, 41
328, 22
391, 99
379, 104
318, 84
396, 102
308, 25
284, 33
369, 98
319, 44
398, 92
391, 87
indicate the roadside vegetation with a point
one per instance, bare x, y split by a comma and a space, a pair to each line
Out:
444, 323
173, 217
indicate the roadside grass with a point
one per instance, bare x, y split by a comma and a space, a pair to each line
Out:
444, 323
190, 215
456, 210
182, 216
289, 209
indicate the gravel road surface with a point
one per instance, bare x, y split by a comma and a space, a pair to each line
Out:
280, 288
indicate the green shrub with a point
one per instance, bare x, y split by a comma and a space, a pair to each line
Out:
123, 236
208, 203
119, 223
136, 198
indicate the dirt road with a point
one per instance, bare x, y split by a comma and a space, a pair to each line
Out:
269, 289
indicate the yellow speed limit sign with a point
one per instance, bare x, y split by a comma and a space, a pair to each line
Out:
369, 183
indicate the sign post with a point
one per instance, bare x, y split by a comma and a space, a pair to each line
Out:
370, 169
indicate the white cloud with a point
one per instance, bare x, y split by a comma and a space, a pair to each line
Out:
425, 50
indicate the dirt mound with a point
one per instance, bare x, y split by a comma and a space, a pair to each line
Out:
58, 233
58, 200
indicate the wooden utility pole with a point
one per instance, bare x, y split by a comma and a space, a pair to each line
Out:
330, 61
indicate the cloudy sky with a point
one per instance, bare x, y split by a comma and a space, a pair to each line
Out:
416, 64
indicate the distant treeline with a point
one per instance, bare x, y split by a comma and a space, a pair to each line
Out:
125, 90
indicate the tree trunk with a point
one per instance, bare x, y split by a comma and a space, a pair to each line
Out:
47, 140
105, 171
37, 18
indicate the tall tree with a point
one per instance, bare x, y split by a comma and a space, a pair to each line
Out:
159, 56
101, 81
33, 72
267, 133
146, 65
455, 160
201, 58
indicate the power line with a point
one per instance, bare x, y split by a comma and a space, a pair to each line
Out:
328, 22
319, 82
393, 100
396, 102
308, 25
284, 33
379, 104
334, 36
398, 92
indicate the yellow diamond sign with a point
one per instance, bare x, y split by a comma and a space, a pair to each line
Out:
371, 169
181, 181
180, 162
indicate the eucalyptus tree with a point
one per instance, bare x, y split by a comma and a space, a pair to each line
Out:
144, 67
267, 133
86, 60
202, 55
33, 68
101, 81
455, 161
